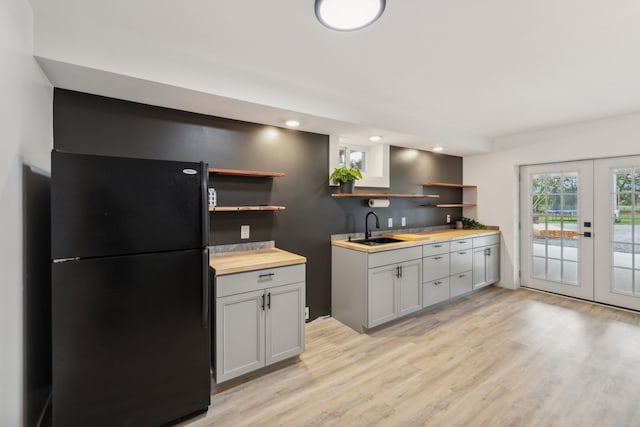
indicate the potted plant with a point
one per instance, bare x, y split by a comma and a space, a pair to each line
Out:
345, 177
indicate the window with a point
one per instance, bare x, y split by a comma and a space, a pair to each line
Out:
371, 159
354, 157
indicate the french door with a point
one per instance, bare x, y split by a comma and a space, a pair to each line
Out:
555, 228
617, 248
580, 229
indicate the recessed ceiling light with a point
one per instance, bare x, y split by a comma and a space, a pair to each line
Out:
348, 15
292, 123
438, 149
375, 138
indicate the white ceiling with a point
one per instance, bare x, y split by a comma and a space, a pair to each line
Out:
455, 73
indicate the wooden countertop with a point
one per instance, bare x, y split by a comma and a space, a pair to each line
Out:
414, 239
241, 261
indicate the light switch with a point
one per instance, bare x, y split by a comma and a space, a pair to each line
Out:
390, 222
404, 221
244, 231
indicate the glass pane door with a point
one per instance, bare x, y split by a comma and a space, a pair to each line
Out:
617, 198
556, 202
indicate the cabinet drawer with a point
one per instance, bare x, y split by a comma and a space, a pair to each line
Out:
461, 283
435, 249
232, 284
461, 260
461, 244
435, 267
435, 291
493, 239
394, 256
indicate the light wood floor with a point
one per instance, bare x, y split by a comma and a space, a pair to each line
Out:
496, 358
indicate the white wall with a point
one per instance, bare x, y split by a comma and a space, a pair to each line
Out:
25, 138
496, 173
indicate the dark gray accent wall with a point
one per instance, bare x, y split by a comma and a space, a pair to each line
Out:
97, 125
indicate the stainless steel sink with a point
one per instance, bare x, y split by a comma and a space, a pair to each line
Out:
374, 241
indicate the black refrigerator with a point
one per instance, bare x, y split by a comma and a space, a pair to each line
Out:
130, 292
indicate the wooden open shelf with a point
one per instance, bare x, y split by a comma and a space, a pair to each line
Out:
383, 196
246, 208
445, 184
239, 172
453, 205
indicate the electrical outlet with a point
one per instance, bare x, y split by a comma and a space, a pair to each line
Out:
390, 222
244, 231
448, 219
306, 313
404, 221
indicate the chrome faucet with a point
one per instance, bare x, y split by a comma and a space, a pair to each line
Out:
367, 232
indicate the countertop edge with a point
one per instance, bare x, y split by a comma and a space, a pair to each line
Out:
411, 243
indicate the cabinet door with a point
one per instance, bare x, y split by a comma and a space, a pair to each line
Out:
479, 268
240, 331
492, 265
409, 287
381, 302
285, 322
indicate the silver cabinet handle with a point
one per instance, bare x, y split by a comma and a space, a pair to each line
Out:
462, 275
462, 242
437, 283
462, 253
266, 276
438, 257
437, 246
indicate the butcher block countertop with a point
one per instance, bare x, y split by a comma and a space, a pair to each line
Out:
241, 261
414, 239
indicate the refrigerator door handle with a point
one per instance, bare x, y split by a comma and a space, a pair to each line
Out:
204, 174
205, 288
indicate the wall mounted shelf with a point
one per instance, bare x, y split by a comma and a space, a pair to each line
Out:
383, 196
446, 184
246, 208
469, 196
453, 205
247, 173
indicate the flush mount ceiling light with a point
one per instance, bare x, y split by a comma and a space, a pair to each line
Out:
438, 149
375, 138
292, 123
348, 15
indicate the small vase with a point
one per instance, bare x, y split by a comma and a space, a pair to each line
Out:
347, 187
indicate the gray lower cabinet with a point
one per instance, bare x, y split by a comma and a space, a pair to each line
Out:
258, 325
368, 290
486, 261
393, 291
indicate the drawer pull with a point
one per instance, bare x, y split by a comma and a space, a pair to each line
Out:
438, 257
266, 276
462, 253
437, 246
462, 275
437, 283
462, 242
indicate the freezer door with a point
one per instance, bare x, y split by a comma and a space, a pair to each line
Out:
129, 344
103, 206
